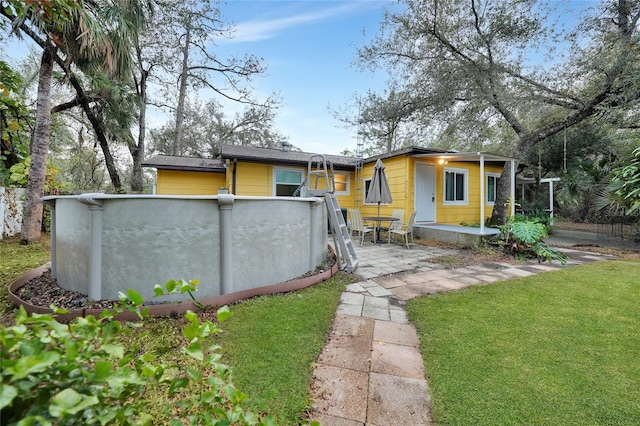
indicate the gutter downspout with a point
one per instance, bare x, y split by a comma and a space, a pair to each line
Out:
233, 176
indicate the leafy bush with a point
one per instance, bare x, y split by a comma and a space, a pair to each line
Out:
78, 373
523, 239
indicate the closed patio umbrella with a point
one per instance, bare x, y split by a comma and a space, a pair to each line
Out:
379, 191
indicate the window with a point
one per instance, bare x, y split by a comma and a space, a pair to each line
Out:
455, 186
492, 185
341, 182
367, 185
286, 181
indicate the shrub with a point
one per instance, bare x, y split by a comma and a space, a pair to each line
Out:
78, 373
523, 239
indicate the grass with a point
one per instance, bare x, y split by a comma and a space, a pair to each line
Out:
271, 342
15, 260
559, 348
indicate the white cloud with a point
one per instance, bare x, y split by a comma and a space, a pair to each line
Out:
256, 30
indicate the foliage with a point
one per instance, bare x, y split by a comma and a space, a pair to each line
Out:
13, 115
79, 373
20, 174
626, 179
523, 239
558, 348
182, 287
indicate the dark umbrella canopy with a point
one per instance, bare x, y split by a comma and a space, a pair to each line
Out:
379, 191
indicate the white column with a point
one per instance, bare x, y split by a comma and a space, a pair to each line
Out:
313, 232
225, 205
482, 194
95, 248
54, 256
512, 197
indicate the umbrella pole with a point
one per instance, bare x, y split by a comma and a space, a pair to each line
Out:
378, 240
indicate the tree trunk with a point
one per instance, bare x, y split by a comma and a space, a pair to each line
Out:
137, 151
182, 94
97, 128
32, 216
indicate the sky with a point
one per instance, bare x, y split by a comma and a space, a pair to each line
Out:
309, 48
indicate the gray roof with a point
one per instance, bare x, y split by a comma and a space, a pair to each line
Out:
170, 162
279, 156
411, 150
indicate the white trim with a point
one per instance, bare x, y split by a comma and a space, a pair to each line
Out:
277, 169
495, 187
464, 172
347, 182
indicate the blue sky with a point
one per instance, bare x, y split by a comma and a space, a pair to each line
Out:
308, 47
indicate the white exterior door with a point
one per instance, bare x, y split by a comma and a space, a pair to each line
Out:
425, 195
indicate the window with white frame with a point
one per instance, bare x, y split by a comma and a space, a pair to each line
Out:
341, 182
367, 186
456, 182
492, 185
286, 181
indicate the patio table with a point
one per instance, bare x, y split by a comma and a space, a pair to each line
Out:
379, 220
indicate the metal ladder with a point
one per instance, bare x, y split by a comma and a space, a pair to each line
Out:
324, 186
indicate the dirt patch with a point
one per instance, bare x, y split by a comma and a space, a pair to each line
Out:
576, 226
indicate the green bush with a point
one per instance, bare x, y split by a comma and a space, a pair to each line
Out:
79, 373
523, 239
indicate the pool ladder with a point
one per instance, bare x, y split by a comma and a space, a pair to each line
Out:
324, 186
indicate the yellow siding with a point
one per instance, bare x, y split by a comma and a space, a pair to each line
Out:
177, 182
257, 179
397, 171
469, 213
252, 179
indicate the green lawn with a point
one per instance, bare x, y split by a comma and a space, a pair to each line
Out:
273, 343
559, 348
15, 261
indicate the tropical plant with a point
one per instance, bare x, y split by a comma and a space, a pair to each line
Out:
524, 240
79, 373
626, 180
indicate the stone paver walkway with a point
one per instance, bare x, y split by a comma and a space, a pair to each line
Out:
370, 371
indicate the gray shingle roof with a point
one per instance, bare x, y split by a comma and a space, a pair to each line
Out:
170, 162
278, 156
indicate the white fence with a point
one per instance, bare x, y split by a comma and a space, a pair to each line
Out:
11, 205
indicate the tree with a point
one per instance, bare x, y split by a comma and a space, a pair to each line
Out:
89, 35
207, 128
13, 117
487, 58
384, 121
625, 182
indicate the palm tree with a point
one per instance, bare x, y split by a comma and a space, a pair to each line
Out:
92, 35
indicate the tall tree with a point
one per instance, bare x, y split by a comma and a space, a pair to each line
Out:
191, 58
510, 58
207, 128
87, 34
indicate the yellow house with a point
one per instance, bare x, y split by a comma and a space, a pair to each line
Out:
443, 187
